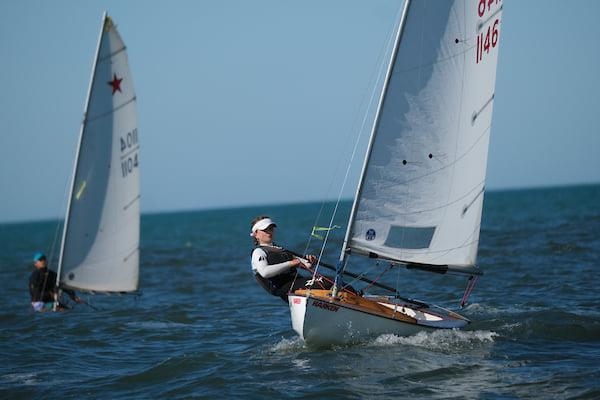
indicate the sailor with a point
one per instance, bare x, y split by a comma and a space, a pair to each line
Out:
274, 267
42, 285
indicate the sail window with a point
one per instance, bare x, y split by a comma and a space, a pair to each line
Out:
408, 237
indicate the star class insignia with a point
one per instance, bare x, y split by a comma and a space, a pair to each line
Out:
115, 84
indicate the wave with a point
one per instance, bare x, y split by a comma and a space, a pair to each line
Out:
438, 340
156, 325
535, 322
288, 345
27, 379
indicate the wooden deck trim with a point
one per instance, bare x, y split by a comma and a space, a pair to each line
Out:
357, 303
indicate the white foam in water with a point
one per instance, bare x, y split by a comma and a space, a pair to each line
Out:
301, 364
288, 345
510, 327
438, 340
29, 379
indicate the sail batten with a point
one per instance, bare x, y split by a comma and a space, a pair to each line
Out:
100, 248
421, 193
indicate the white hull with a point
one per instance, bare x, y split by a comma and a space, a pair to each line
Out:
321, 321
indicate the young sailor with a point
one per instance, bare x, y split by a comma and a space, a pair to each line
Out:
275, 267
42, 282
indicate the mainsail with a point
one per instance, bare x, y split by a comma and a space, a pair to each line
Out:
100, 244
421, 192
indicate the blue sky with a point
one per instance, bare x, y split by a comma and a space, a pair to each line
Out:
259, 102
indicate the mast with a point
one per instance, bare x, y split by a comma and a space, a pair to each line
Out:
374, 128
74, 174
342, 260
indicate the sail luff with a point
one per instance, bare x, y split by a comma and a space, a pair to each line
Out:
374, 129
80, 139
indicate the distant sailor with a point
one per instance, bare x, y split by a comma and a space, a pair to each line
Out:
275, 267
42, 282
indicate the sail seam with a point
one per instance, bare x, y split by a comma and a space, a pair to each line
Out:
136, 148
405, 251
112, 54
482, 23
447, 204
447, 165
441, 60
463, 245
111, 111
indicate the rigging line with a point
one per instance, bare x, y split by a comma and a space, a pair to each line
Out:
370, 103
363, 277
397, 279
379, 276
60, 221
375, 78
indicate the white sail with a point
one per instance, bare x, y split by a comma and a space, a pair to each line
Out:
421, 192
100, 248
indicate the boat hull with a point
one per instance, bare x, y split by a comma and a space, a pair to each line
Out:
320, 320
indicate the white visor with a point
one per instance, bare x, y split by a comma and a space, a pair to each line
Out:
262, 225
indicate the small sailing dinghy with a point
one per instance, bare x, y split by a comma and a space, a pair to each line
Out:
100, 242
420, 195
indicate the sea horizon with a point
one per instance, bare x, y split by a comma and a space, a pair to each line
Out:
300, 202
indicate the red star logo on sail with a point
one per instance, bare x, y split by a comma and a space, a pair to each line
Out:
115, 83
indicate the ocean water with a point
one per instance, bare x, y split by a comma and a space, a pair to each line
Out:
202, 327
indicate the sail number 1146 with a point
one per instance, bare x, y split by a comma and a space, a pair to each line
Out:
487, 41
488, 38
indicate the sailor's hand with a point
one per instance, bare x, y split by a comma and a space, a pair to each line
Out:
311, 259
77, 300
300, 262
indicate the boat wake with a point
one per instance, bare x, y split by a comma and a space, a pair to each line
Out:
438, 340
288, 345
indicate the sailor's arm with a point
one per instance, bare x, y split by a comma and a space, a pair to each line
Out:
260, 264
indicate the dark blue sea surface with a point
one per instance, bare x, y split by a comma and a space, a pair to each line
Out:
203, 328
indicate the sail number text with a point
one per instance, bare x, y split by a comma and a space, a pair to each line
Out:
129, 152
486, 6
488, 35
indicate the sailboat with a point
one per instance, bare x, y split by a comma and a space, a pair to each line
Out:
100, 241
420, 196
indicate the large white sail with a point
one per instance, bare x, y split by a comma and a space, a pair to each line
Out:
421, 192
100, 248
